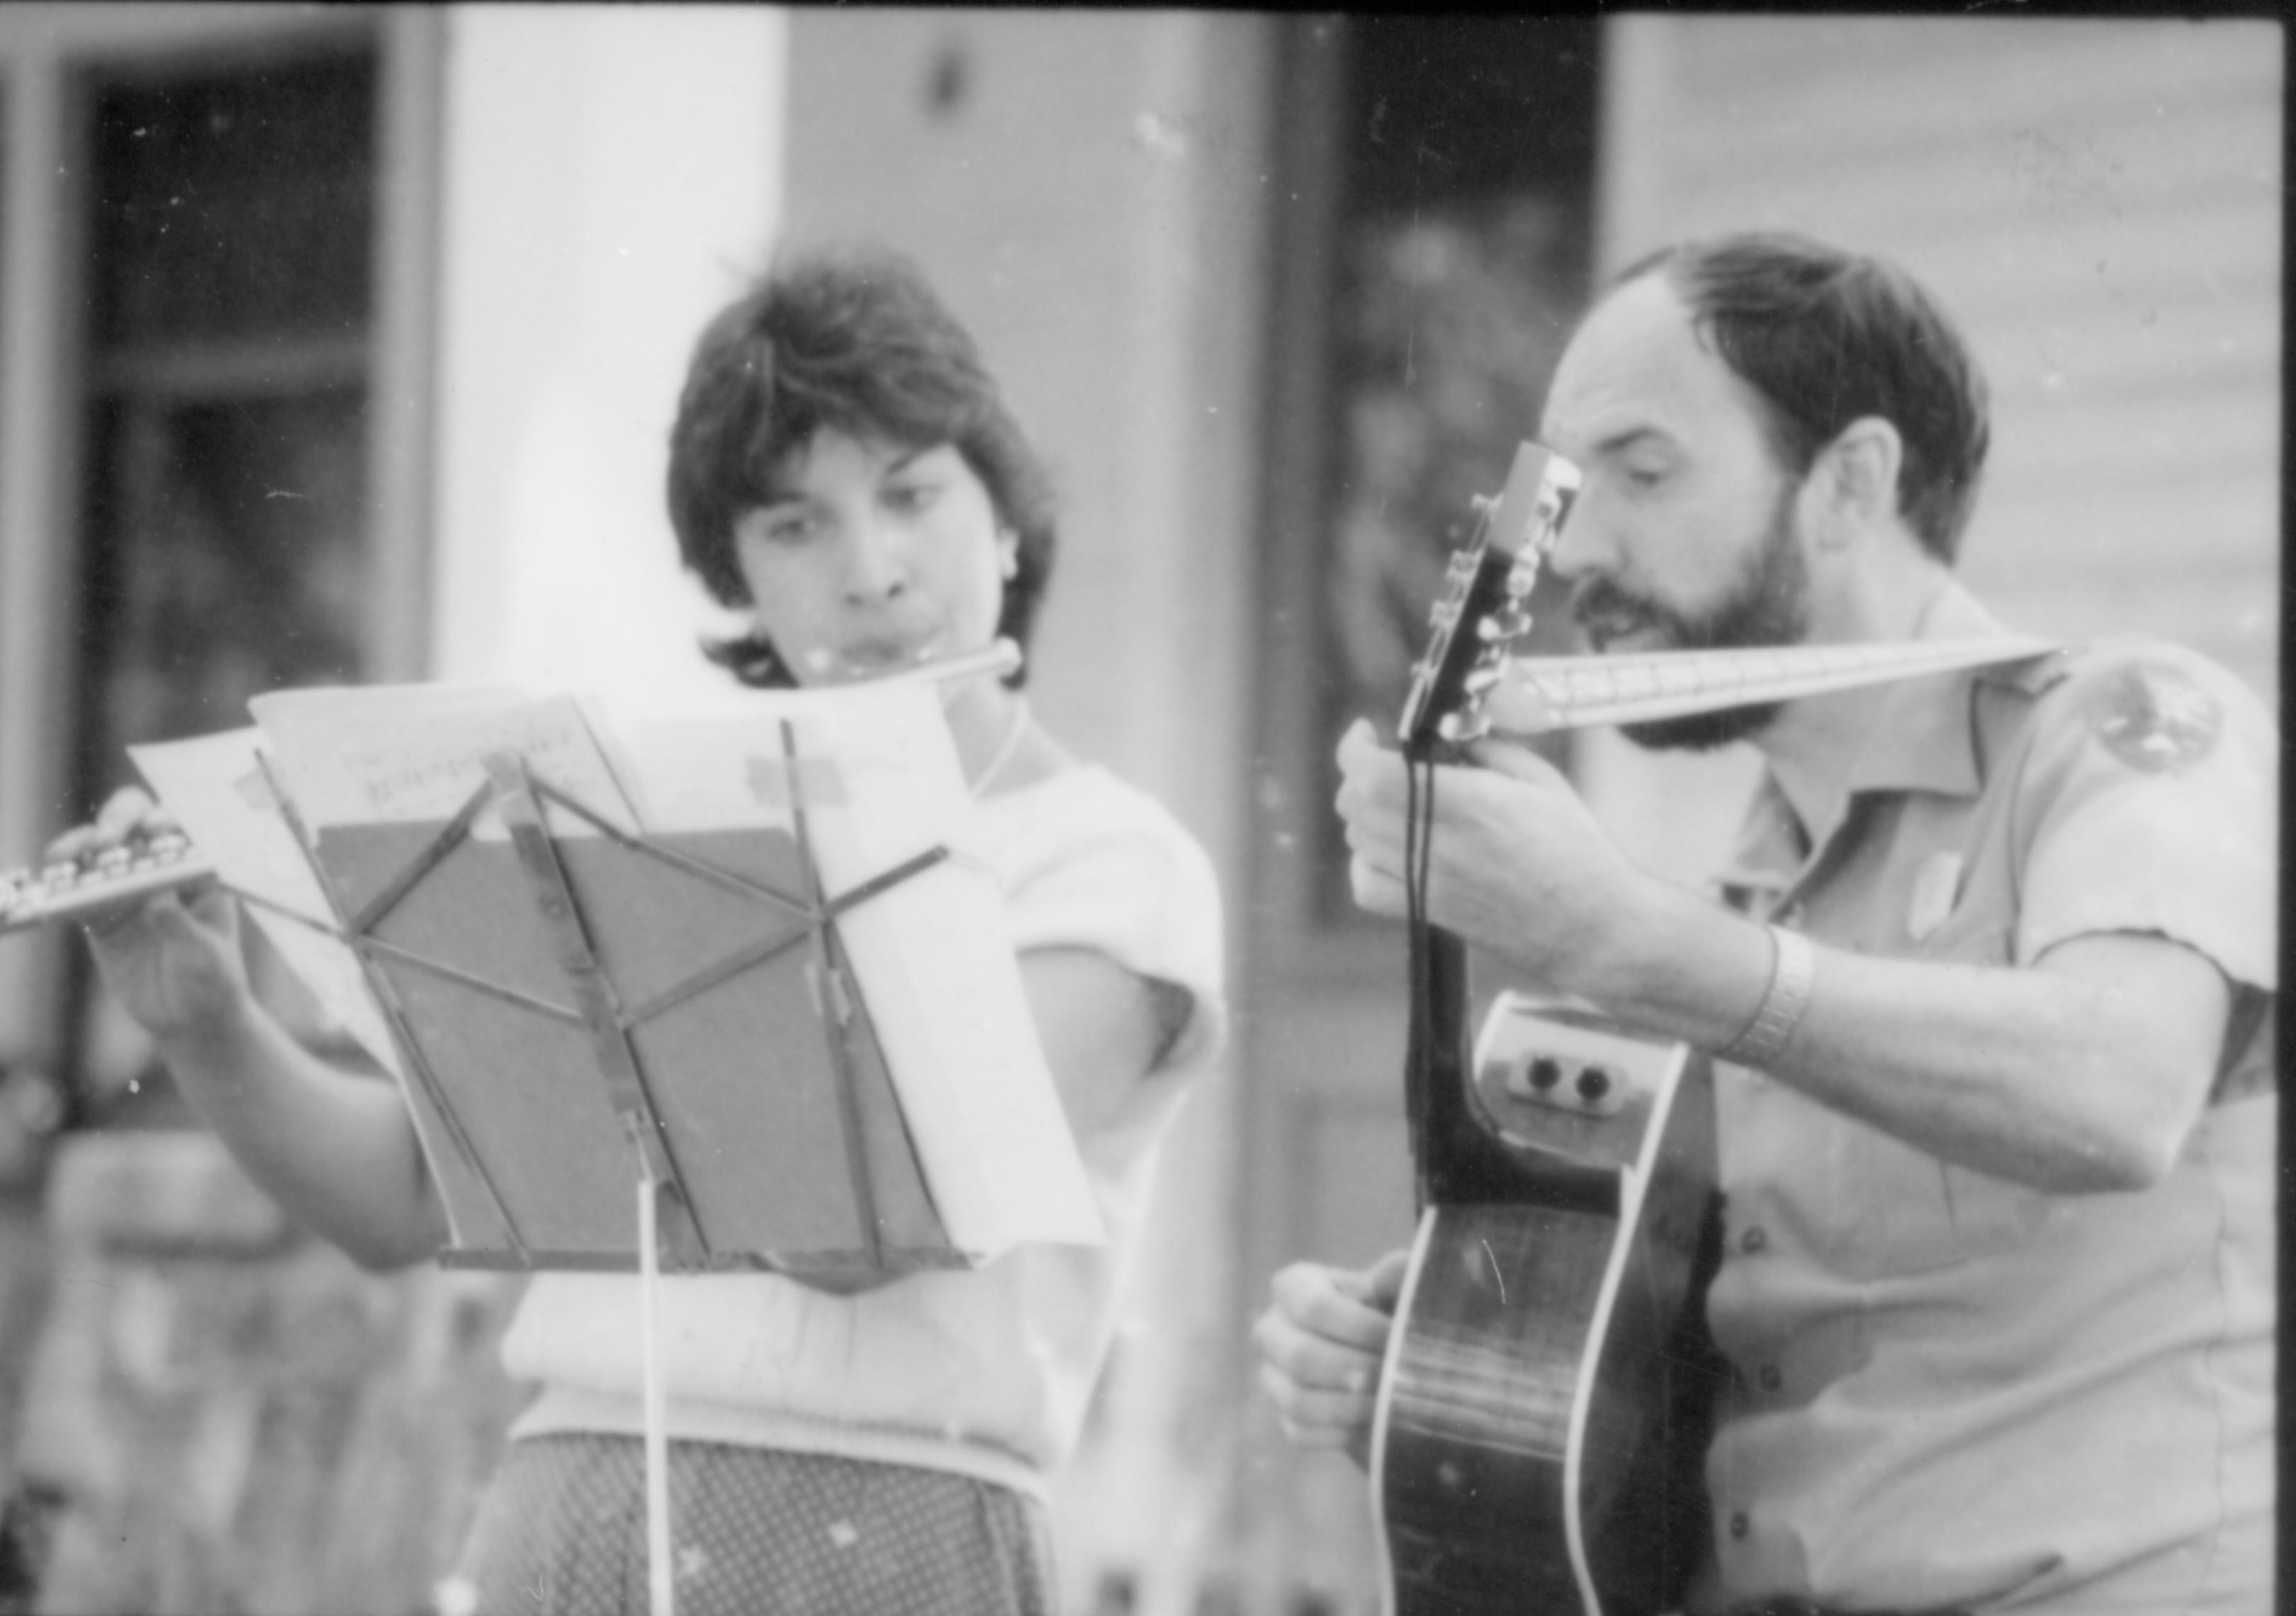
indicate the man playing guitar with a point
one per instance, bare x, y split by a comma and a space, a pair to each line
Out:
1991, 988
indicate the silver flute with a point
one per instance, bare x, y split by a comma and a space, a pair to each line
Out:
64, 891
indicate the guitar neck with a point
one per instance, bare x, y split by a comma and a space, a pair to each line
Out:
1460, 1159
1484, 607
1538, 695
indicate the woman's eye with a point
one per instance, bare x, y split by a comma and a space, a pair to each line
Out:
1643, 477
911, 497
794, 529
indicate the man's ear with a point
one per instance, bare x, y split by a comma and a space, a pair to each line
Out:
1855, 479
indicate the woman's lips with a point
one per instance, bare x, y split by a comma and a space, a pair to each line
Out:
874, 658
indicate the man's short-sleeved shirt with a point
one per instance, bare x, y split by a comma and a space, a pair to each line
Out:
1950, 1390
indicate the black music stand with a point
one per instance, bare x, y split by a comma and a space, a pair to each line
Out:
716, 1028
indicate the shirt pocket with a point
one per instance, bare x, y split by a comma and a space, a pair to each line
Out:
1904, 1213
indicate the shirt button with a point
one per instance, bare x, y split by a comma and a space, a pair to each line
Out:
1789, 917
1753, 1240
1740, 1526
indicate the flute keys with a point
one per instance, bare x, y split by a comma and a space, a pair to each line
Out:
63, 887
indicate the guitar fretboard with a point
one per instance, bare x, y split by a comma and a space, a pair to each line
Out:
1536, 695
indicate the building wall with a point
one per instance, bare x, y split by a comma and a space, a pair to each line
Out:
221, 1413
610, 176
2099, 204
1086, 190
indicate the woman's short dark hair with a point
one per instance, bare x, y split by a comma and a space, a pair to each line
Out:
1827, 337
857, 342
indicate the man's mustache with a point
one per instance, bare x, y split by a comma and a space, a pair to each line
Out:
1605, 609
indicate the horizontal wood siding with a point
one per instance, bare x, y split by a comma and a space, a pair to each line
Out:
2099, 202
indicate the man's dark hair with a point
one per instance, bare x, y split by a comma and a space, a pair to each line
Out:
859, 343
1825, 337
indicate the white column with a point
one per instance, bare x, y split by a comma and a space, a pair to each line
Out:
612, 177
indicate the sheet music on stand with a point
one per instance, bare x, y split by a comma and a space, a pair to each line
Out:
734, 941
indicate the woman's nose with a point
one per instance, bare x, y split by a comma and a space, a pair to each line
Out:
876, 567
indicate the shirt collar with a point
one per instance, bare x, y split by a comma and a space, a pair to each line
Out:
1924, 736
1924, 739
1770, 846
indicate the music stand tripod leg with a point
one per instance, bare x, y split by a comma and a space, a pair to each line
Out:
354, 931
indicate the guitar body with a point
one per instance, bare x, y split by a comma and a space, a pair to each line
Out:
1543, 1410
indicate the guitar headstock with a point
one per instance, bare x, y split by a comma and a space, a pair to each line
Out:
1484, 604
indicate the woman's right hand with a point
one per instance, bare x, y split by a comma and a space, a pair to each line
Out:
336, 1149
175, 965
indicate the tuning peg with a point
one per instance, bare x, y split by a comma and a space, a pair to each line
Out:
1501, 626
1461, 728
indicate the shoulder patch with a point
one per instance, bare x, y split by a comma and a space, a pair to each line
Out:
2152, 716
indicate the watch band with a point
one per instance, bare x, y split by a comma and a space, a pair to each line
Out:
1792, 967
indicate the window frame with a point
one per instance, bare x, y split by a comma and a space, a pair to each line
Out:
51, 57
1317, 936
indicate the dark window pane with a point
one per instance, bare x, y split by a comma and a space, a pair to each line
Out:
1447, 109
224, 551
236, 204
225, 559
1462, 262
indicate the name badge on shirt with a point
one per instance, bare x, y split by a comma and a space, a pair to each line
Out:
1937, 885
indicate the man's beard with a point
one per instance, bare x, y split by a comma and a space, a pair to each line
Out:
1769, 606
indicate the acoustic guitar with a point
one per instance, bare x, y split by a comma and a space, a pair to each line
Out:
1542, 1411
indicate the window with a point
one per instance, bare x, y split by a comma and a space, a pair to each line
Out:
1435, 188
230, 241
229, 262
1436, 253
